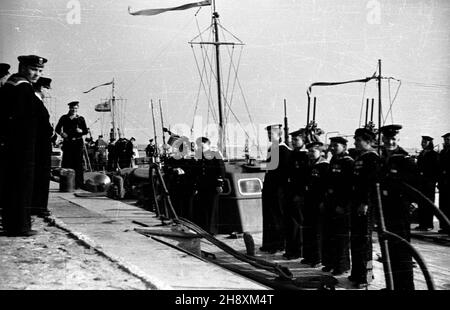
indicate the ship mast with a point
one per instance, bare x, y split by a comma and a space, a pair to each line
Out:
222, 146
113, 111
221, 97
379, 106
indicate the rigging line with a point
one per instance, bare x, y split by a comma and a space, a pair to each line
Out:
231, 55
229, 72
425, 84
196, 106
211, 101
427, 87
124, 112
235, 69
440, 87
390, 104
395, 97
376, 69
210, 90
238, 121
362, 104
232, 65
205, 57
208, 97
209, 61
199, 89
235, 77
200, 32
240, 124
245, 100
230, 33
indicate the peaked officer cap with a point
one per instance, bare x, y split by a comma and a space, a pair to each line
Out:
390, 130
32, 60
299, 132
314, 144
340, 140
73, 103
275, 126
4, 69
427, 138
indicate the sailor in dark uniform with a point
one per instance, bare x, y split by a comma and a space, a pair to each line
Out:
316, 187
89, 144
4, 73
124, 152
428, 165
100, 148
150, 150
112, 155
46, 136
274, 192
210, 174
179, 172
297, 185
397, 167
336, 226
365, 173
71, 127
444, 181
21, 121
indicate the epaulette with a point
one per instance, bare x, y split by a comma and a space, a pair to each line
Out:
15, 80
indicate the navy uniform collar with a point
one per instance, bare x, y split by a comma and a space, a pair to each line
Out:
17, 79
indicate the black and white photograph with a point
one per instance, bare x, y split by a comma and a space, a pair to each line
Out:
225, 151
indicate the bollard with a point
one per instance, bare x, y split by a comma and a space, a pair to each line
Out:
67, 180
249, 244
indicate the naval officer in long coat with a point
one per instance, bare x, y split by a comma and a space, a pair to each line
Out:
45, 136
274, 193
397, 168
365, 173
296, 197
20, 122
444, 182
313, 210
428, 165
336, 228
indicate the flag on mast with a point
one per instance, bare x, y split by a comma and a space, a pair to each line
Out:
103, 107
150, 12
109, 83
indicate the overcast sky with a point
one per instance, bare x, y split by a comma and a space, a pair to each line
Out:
288, 45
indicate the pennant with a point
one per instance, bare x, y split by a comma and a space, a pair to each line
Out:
109, 83
150, 12
103, 107
308, 91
